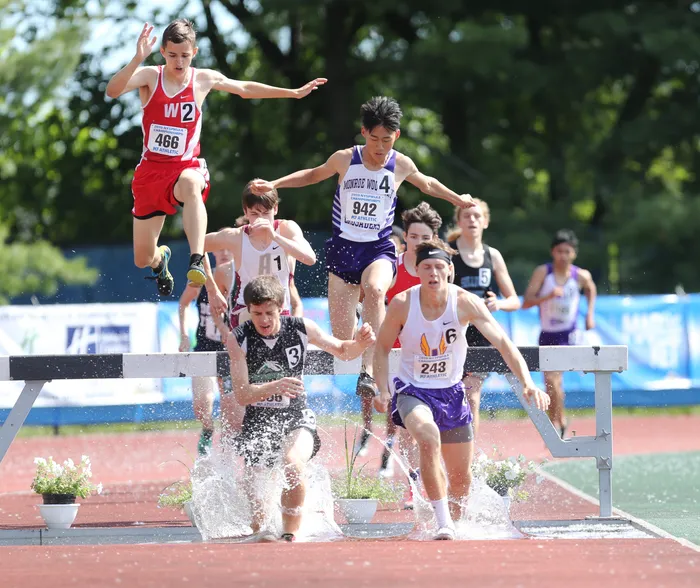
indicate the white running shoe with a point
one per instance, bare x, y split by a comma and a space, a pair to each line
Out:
361, 445
387, 471
445, 534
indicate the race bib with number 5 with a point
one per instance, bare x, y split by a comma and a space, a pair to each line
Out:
167, 140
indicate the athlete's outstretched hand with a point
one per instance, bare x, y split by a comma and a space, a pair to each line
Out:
365, 335
184, 342
291, 387
262, 227
260, 187
144, 47
465, 201
381, 402
217, 301
534, 395
306, 89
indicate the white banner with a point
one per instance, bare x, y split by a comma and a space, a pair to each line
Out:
72, 329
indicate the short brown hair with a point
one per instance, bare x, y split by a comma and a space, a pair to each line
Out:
268, 200
180, 31
423, 213
435, 243
264, 289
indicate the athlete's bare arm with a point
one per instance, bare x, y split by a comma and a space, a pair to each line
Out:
338, 163
510, 300
295, 300
407, 170
343, 350
396, 316
472, 310
189, 294
247, 393
132, 75
209, 79
530, 297
586, 283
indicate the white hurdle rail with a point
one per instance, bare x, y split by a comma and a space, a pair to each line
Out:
602, 361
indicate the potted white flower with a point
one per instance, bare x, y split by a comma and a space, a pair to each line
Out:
358, 495
60, 485
504, 476
178, 495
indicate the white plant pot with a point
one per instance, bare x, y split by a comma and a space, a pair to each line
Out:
187, 506
358, 510
507, 501
59, 516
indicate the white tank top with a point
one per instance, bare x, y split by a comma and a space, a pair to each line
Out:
365, 200
271, 260
432, 352
559, 314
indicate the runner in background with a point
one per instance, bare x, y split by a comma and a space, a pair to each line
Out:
420, 224
208, 338
556, 288
481, 270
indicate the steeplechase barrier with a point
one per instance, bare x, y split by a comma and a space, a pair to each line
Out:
602, 361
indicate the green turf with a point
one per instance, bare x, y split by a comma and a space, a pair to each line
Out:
324, 420
662, 489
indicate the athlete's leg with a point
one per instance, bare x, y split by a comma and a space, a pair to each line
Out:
231, 417
420, 424
253, 476
146, 233
188, 191
376, 280
555, 390
298, 447
342, 301
203, 405
386, 468
458, 463
472, 385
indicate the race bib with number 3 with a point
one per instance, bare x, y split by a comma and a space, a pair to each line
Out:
430, 368
274, 401
167, 140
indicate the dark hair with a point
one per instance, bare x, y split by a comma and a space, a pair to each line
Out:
262, 289
268, 200
381, 111
565, 236
435, 243
423, 213
396, 231
180, 31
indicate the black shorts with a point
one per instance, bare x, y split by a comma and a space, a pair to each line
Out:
262, 436
204, 344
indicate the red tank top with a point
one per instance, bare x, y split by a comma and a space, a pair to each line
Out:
404, 281
171, 124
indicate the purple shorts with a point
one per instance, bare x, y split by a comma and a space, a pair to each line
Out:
559, 337
348, 259
449, 405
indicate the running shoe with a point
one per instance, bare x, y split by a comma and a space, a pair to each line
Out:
205, 441
196, 273
445, 534
386, 468
288, 537
361, 448
164, 279
366, 386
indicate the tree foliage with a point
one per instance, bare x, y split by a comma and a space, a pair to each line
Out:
576, 114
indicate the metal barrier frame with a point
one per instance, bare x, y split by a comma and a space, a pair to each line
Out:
603, 361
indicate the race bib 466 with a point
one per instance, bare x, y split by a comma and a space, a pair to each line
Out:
167, 140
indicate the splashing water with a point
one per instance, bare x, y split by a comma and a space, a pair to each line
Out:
484, 515
222, 489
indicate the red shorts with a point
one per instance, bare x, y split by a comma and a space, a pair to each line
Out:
239, 315
153, 186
